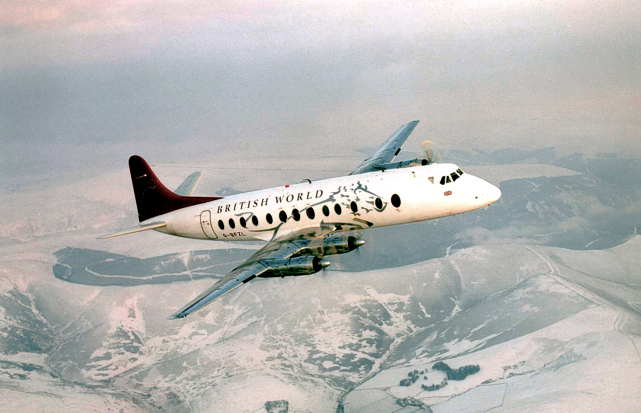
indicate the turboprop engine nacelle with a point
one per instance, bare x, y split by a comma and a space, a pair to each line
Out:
293, 266
332, 246
341, 244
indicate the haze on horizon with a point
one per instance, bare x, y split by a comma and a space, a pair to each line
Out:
90, 83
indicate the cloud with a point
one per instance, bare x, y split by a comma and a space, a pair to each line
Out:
275, 75
52, 15
28, 15
593, 19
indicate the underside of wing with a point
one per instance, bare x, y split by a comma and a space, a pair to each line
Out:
288, 255
387, 151
225, 285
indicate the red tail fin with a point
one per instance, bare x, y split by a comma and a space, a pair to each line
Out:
152, 197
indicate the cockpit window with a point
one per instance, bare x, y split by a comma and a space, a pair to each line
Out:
448, 179
454, 176
460, 172
442, 180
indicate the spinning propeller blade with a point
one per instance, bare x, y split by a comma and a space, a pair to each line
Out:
431, 154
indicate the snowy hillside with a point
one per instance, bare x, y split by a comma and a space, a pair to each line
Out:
83, 322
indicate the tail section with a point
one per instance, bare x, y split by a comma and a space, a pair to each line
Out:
152, 197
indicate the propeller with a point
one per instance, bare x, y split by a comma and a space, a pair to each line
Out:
359, 243
355, 244
431, 154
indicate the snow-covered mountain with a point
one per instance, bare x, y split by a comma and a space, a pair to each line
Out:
83, 322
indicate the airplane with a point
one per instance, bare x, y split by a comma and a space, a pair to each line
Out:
304, 222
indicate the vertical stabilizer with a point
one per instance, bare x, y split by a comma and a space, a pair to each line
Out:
152, 197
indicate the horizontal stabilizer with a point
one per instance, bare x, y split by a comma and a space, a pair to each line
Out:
140, 228
188, 186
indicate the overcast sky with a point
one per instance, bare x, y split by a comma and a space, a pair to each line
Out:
100, 80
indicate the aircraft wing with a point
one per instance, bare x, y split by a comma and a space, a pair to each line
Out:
258, 264
189, 184
388, 150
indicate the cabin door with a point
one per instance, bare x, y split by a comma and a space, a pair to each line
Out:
205, 223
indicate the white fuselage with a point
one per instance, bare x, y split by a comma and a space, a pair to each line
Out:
348, 203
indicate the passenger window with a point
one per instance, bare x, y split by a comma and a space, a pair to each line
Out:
221, 224
269, 219
325, 210
232, 224
454, 176
337, 209
283, 216
378, 203
310, 213
296, 215
255, 220
353, 206
243, 223
396, 201
442, 180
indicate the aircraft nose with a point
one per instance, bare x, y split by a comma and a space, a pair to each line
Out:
493, 193
485, 192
